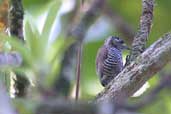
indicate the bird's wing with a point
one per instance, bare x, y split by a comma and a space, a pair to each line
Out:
101, 56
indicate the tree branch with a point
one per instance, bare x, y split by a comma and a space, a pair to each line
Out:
78, 31
139, 42
138, 72
64, 107
61, 106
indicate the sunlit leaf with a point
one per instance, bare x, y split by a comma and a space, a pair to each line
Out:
52, 13
58, 47
29, 36
32, 38
35, 7
55, 52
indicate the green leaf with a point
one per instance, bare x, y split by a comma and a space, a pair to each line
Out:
55, 52
29, 36
28, 3
35, 7
58, 47
52, 13
32, 38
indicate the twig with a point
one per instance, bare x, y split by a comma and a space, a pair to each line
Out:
139, 42
138, 72
78, 71
77, 31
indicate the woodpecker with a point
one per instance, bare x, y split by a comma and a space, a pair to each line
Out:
109, 59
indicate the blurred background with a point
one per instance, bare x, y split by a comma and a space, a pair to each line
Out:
118, 18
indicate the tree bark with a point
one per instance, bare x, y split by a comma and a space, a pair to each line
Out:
140, 39
15, 21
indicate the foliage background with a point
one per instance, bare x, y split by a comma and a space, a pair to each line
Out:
36, 11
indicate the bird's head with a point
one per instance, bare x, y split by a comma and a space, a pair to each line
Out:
116, 42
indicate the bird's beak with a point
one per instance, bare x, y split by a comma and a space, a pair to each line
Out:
125, 47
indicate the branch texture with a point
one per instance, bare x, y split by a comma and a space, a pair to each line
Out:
139, 42
139, 71
16, 18
67, 107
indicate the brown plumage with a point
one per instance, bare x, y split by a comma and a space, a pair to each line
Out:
109, 59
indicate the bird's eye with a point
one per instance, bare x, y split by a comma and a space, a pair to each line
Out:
121, 41
117, 38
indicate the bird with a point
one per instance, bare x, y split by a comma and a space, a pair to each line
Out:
109, 61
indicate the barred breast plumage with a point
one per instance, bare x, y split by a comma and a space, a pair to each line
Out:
109, 60
112, 65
